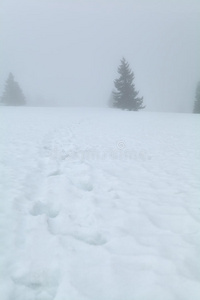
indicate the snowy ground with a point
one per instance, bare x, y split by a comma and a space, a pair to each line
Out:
99, 204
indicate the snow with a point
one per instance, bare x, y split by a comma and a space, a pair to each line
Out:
99, 204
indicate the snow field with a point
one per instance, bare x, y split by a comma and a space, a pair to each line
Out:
99, 204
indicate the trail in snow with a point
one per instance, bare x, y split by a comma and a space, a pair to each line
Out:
99, 204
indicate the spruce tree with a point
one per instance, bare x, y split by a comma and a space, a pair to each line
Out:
125, 96
196, 109
13, 95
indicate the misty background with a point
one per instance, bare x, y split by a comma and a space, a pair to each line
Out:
66, 52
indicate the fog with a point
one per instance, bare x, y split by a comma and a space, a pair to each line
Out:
66, 52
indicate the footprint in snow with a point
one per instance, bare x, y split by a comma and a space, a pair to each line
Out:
40, 208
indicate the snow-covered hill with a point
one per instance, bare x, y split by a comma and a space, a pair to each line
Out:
99, 204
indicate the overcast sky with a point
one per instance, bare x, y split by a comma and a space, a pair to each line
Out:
67, 52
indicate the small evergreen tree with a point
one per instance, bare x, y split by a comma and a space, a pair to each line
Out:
196, 109
111, 100
13, 95
126, 96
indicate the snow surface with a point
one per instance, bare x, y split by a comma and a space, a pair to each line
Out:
99, 204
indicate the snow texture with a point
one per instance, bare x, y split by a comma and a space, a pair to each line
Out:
99, 204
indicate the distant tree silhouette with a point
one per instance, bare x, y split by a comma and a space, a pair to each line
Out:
12, 95
125, 96
111, 100
196, 109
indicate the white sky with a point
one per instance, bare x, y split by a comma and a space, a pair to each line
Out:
67, 51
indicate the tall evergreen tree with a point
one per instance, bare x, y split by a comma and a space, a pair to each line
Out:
125, 96
196, 109
13, 95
